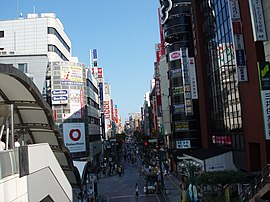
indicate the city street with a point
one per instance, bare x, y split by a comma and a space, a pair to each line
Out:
116, 188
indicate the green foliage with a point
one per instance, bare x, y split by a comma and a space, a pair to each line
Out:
221, 178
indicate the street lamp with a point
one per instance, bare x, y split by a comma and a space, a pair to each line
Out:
190, 168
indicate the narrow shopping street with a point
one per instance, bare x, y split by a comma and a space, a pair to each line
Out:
122, 188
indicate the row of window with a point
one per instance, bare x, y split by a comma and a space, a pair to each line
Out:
90, 84
92, 103
222, 79
52, 30
53, 48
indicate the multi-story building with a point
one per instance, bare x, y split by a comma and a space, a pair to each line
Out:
30, 43
233, 107
229, 44
39, 46
175, 17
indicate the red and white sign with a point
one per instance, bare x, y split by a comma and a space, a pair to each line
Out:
176, 55
74, 137
99, 73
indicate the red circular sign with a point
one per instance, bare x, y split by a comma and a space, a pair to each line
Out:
71, 134
175, 55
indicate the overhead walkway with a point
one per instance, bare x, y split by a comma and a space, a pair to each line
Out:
24, 113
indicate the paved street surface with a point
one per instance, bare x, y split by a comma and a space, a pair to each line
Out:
117, 189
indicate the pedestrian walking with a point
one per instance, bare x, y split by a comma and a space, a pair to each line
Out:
137, 190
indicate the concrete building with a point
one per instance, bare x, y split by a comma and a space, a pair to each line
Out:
38, 46
30, 43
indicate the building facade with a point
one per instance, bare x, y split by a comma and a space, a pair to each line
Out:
175, 18
39, 47
228, 55
30, 43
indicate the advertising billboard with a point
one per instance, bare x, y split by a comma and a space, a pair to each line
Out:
238, 41
71, 75
74, 109
74, 137
264, 76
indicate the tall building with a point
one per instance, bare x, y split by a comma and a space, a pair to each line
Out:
39, 47
230, 45
217, 57
175, 17
30, 43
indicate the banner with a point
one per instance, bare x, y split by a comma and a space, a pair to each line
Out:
71, 75
74, 137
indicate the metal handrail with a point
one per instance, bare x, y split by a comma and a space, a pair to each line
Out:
9, 162
257, 184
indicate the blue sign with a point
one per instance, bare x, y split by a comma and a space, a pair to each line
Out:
240, 57
95, 54
59, 92
59, 98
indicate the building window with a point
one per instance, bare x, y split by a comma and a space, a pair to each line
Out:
2, 34
53, 48
52, 30
23, 67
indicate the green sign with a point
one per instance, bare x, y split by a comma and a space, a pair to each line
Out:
264, 75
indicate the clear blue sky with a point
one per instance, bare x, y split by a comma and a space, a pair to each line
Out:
123, 31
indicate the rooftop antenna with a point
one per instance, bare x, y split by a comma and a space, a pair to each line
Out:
34, 9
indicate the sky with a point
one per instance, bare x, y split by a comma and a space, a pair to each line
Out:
124, 32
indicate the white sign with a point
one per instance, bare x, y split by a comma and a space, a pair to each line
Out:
183, 144
74, 137
193, 78
75, 108
235, 11
257, 19
174, 55
266, 112
242, 73
59, 96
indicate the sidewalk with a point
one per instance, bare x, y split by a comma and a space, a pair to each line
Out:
171, 186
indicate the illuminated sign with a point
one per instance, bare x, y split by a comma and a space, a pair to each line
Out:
183, 144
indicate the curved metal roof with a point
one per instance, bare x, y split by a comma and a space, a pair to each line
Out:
34, 117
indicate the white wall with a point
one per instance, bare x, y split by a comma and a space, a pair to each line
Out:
43, 161
37, 66
165, 102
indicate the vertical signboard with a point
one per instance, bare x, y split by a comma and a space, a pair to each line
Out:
157, 90
193, 78
74, 137
100, 85
257, 19
99, 72
238, 41
95, 57
116, 114
186, 81
264, 76
158, 51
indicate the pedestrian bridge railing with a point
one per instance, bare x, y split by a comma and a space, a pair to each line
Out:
257, 185
9, 161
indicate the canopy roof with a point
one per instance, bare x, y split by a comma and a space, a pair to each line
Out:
34, 118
